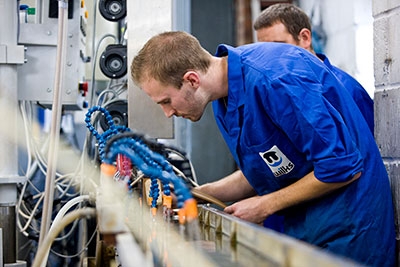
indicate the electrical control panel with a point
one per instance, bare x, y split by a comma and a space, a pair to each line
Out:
40, 41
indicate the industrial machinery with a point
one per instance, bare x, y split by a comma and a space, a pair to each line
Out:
143, 229
140, 227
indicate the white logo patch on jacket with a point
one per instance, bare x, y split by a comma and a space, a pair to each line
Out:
277, 161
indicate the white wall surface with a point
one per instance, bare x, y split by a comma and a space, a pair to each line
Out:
349, 27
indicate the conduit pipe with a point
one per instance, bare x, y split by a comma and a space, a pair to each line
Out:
56, 118
61, 214
67, 207
44, 247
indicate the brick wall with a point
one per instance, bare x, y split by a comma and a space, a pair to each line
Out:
386, 15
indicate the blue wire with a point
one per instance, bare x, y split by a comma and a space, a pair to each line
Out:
110, 132
152, 164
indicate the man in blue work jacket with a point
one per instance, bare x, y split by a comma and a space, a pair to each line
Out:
287, 23
301, 144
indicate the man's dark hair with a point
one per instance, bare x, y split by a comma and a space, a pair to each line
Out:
289, 15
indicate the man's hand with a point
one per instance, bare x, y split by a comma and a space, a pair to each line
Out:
254, 209
257, 209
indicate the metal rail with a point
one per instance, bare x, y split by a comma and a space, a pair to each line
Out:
258, 246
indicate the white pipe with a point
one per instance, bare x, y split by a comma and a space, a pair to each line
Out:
66, 208
56, 118
94, 54
44, 247
60, 216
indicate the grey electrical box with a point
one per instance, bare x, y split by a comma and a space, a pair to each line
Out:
36, 76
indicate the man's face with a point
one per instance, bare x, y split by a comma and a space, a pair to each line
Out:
182, 102
276, 33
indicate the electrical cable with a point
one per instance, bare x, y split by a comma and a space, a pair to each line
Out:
44, 247
42, 164
121, 87
23, 211
27, 224
124, 31
181, 174
103, 93
68, 186
28, 145
79, 252
140, 177
95, 62
68, 234
26, 214
175, 151
67, 206
115, 89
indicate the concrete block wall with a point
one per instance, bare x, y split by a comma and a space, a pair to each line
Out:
386, 15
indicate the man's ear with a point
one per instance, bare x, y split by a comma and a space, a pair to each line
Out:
305, 39
192, 77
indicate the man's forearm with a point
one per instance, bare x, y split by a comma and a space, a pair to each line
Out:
306, 189
233, 187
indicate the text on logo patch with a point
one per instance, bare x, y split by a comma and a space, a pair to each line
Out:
277, 161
